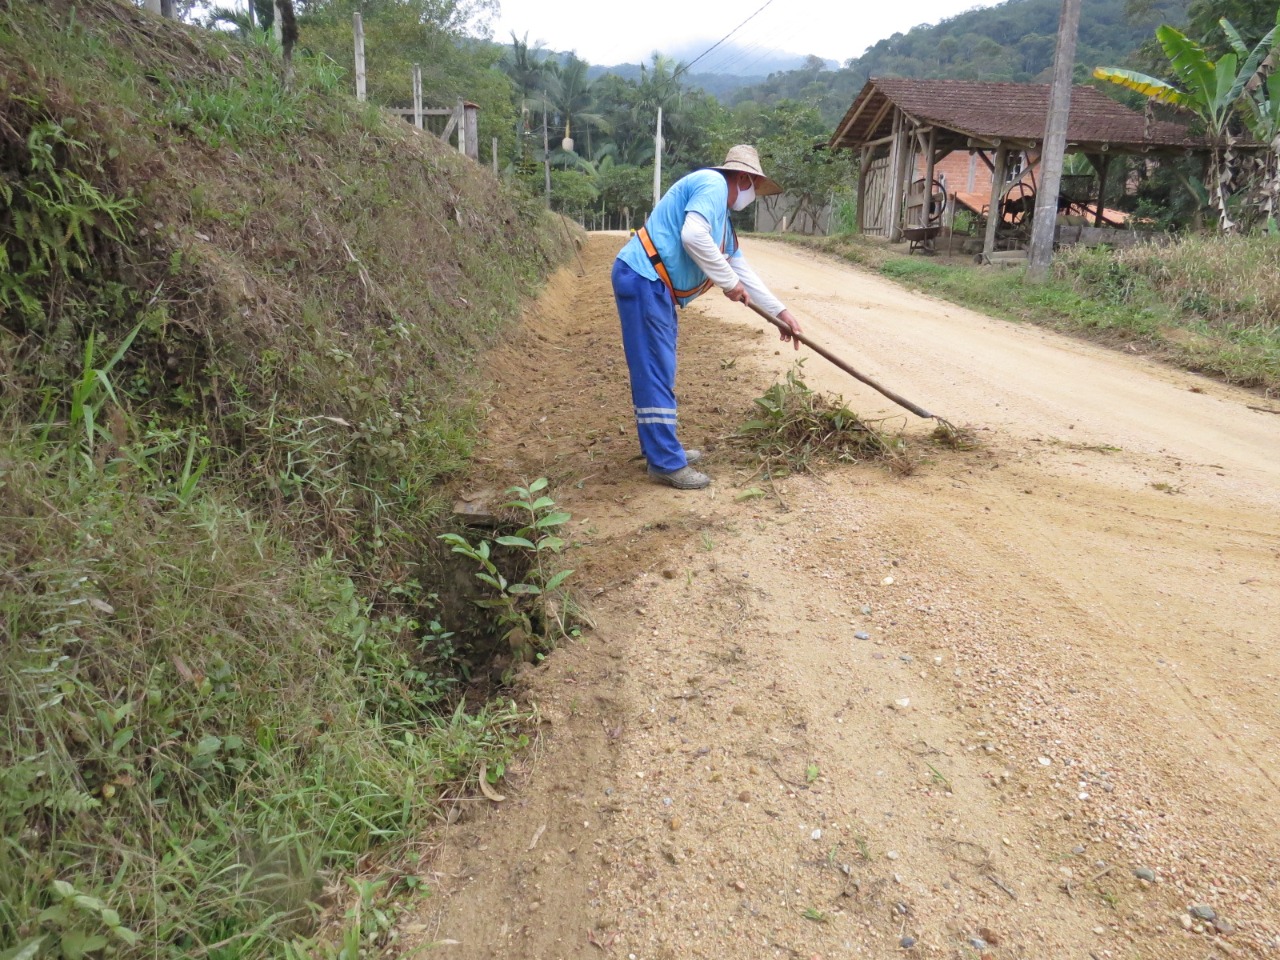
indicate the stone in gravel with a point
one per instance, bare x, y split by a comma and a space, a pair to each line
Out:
1185, 920
674, 824
902, 704
1142, 873
877, 656
866, 611
905, 658
1202, 912
1078, 849
739, 886
892, 854
906, 943
816, 835
977, 943
669, 573
861, 635
1224, 927
744, 796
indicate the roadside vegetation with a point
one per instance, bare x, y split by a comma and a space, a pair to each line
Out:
237, 320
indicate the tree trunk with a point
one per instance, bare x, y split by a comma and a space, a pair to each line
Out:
288, 36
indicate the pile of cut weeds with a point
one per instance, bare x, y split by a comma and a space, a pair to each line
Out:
797, 428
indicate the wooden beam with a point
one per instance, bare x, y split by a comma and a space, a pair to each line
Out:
928, 179
880, 115
849, 123
1102, 186
993, 208
878, 141
894, 147
897, 165
863, 164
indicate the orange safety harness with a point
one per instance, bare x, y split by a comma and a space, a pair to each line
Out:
655, 258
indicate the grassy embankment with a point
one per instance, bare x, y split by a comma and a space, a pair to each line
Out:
1209, 304
235, 326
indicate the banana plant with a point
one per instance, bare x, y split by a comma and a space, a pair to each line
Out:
1212, 91
1262, 117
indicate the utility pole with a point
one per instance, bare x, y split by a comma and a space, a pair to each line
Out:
546, 151
1054, 145
657, 160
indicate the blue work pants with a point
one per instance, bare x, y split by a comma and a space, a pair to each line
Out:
649, 329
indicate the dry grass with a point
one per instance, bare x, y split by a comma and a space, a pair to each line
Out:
795, 429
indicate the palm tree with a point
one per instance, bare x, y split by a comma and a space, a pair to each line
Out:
574, 101
1211, 91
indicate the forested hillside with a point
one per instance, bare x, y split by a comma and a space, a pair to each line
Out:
1013, 42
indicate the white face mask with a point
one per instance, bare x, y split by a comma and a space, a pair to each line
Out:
745, 197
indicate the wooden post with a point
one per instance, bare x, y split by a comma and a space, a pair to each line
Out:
471, 113
360, 77
1045, 218
904, 151
927, 210
546, 151
993, 209
864, 163
895, 181
493, 155
417, 95
1102, 166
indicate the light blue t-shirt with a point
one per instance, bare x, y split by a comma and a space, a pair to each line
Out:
705, 192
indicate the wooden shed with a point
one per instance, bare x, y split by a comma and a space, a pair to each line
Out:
904, 128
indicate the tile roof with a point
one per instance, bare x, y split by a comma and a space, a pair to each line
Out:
1003, 111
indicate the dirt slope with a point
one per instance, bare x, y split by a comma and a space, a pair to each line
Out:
946, 715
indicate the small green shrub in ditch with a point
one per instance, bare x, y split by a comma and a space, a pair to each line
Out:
794, 426
534, 612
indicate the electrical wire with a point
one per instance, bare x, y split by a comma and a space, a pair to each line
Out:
685, 68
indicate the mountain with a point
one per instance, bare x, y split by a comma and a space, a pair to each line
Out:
1013, 42
726, 69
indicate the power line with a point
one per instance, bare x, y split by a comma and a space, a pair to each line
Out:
686, 67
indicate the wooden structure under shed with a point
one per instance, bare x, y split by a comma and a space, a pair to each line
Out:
903, 128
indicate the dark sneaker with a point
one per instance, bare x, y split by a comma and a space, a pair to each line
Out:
686, 478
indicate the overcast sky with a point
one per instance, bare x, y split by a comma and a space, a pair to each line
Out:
608, 33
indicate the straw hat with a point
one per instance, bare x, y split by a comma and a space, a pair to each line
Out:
744, 159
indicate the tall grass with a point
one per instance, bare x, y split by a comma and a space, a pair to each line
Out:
235, 326
199, 724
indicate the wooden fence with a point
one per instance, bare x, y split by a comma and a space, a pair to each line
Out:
459, 122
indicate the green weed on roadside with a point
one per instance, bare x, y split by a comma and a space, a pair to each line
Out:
532, 613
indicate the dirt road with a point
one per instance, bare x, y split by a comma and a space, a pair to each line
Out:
1021, 703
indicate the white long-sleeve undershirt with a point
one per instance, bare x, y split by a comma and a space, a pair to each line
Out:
725, 273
